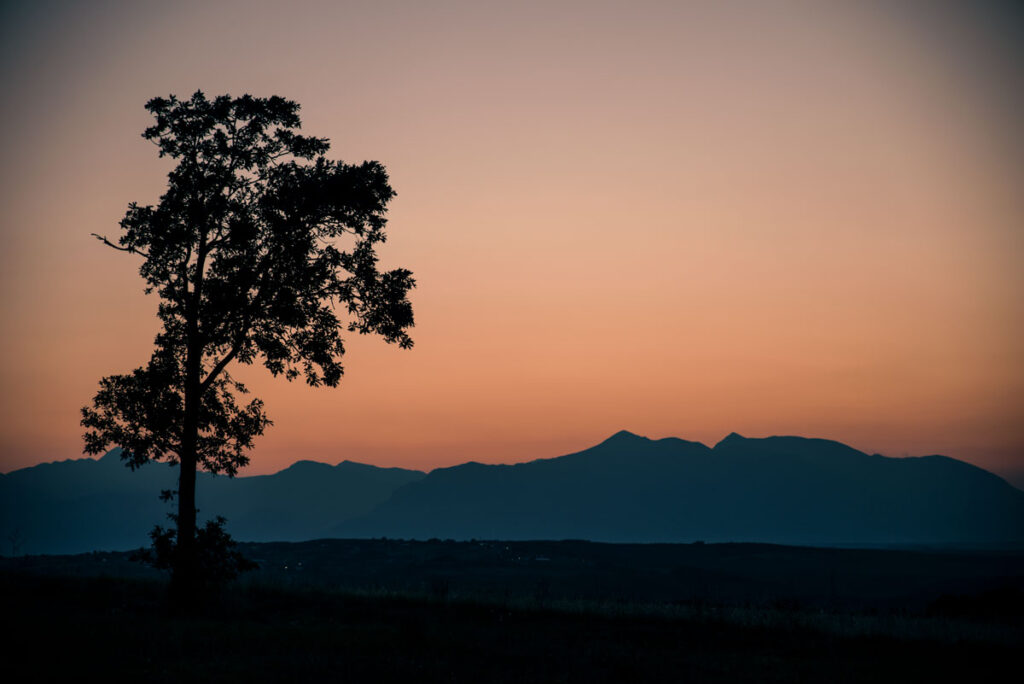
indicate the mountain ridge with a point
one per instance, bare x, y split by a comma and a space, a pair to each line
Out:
628, 487
86, 504
113, 456
776, 489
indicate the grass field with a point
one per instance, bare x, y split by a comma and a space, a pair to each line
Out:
426, 622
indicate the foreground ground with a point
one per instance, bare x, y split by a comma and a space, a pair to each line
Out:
558, 612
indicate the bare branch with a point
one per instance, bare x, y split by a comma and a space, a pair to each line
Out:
119, 248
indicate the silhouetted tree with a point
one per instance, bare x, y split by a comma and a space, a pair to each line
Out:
258, 245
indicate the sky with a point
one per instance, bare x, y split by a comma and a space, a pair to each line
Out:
679, 219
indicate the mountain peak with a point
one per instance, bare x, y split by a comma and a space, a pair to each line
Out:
624, 436
305, 467
731, 438
112, 456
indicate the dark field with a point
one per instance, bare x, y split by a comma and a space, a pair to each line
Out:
384, 610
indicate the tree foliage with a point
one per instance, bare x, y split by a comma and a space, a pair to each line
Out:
216, 558
261, 250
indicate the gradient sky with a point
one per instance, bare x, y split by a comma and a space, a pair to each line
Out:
678, 219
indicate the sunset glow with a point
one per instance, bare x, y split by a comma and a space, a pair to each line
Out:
769, 218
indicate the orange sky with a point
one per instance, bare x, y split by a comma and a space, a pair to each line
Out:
770, 218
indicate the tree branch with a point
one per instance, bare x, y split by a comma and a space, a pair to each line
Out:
119, 248
215, 371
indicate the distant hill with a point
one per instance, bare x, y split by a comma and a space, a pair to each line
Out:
84, 505
788, 490
784, 490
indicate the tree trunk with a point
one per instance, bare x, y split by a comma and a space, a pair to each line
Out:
185, 573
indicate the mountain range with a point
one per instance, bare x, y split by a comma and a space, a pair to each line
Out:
789, 490
83, 505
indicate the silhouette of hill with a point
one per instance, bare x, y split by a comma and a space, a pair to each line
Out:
783, 490
788, 490
84, 505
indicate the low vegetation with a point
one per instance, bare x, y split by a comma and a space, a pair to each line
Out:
528, 611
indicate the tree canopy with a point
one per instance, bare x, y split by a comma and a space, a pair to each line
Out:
261, 250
